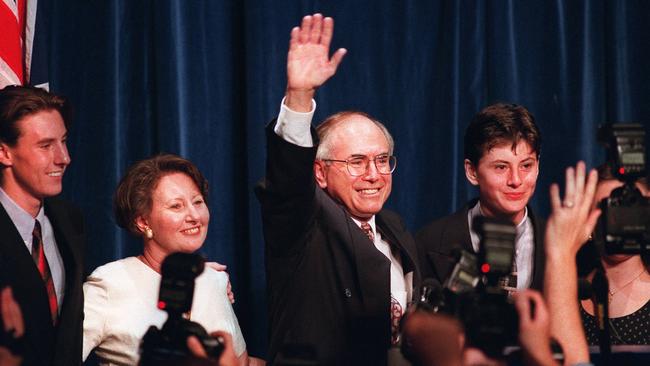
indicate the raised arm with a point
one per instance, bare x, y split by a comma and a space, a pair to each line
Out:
568, 228
287, 193
308, 63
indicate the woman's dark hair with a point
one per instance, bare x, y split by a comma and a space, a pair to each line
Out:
133, 196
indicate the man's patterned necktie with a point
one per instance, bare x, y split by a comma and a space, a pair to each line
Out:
395, 307
367, 229
41, 262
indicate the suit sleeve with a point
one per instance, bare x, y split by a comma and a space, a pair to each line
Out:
287, 193
95, 305
436, 259
424, 245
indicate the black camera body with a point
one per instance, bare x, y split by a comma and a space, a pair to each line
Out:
474, 293
169, 344
624, 225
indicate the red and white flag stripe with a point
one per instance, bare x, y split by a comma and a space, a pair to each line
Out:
17, 22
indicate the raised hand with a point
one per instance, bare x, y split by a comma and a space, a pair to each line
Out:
308, 61
567, 229
572, 220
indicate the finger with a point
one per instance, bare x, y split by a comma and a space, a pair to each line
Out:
231, 295
541, 312
217, 266
225, 336
554, 193
337, 58
522, 304
195, 347
316, 28
328, 30
580, 181
305, 28
570, 186
590, 189
592, 220
294, 39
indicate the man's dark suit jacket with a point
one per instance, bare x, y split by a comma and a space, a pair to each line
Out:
328, 286
46, 344
438, 241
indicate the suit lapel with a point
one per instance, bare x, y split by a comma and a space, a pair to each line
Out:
398, 239
539, 255
461, 238
65, 237
373, 270
456, 236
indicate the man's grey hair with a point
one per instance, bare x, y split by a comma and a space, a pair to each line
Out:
328, 125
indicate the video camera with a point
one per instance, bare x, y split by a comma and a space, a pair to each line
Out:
169, 344
624, 225
475, 294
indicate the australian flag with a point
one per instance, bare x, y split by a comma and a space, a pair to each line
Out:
24, 42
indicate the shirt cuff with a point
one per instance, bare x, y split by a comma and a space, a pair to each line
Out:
295, 127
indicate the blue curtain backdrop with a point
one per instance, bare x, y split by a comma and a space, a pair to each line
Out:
201, 79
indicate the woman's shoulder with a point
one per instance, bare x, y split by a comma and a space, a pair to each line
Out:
115, 267
119, 272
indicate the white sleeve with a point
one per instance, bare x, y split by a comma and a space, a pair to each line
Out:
232, 325
95, 300
295, 126
237, 337
212, 309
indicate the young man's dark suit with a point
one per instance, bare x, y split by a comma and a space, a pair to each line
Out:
44, 343
439, 240
328, 286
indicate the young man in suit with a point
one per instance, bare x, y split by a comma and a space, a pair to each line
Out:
340, 268
41, 254
502, 147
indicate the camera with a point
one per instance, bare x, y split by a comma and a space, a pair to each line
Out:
475, 293
624, 226
169, 344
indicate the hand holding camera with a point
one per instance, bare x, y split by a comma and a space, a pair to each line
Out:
170, 345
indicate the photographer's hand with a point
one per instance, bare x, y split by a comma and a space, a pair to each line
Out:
228, 356
433, 339
12, 320
567, 229
534, 328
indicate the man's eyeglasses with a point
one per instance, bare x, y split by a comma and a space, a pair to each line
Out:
358, 165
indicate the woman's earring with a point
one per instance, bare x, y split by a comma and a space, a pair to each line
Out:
148, 232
